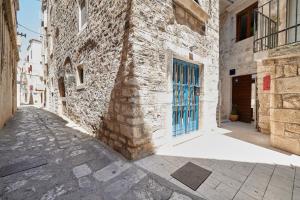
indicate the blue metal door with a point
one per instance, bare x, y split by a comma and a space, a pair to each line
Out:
185, 97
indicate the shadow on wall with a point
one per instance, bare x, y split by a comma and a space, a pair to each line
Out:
121, 123
123, 126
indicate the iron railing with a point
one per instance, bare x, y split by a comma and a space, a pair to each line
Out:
276, 23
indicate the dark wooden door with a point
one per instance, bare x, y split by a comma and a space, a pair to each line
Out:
241, 97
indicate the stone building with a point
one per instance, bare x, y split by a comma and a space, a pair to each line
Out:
259, 60
136, 74
32, 75
9, 56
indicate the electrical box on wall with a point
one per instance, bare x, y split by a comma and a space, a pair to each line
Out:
267, 83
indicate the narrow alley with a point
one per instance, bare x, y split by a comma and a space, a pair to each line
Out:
78, 166
149, 100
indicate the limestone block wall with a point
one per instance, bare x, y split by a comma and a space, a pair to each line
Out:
142, 113
264, 68
97, 48
126, 51
285, 105
233, 55
8, 61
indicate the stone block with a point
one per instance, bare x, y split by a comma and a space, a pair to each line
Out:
294, 128
285, 143
135, 121
178, 196
277, 128
279, 71
265, 131
285, 115
263, 125
130, 131
264, 110
275, 101
292, 135
130, 92
121, 118
117, 107
291, 101
111, 171
81, 171
290, 70
137, 142
287, 85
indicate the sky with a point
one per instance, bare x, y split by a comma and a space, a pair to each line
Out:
29, 16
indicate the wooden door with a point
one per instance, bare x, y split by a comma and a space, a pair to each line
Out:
241, 97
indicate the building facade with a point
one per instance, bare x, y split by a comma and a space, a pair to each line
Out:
136, 74
259, 56
32, 88
9, 56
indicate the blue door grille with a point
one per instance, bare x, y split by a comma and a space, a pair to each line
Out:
185, 97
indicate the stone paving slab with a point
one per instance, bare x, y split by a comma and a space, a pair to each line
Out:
79, 166
232, 180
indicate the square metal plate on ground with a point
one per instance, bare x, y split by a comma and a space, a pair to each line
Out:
22, 166
191, 175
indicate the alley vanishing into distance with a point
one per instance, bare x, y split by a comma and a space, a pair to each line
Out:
77, 166
149, 100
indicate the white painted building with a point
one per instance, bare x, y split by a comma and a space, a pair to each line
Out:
31, 75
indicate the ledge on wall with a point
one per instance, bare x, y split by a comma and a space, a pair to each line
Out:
194, 8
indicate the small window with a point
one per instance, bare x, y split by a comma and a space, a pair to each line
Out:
51, 44
245, 23
80, 75
82, 13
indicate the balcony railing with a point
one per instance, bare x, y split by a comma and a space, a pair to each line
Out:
276, 23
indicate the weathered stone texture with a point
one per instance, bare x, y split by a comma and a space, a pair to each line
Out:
126, 51
284, 106
8, 60
291, 101
233, 55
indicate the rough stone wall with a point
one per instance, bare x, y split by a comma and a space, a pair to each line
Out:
126, 51
264, 68
97, 48
233, 55
157, 37
8, 61
280, 107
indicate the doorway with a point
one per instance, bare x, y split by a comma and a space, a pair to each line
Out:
62, 93
242, 97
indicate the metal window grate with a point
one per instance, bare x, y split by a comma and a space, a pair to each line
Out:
185, 97
277, 23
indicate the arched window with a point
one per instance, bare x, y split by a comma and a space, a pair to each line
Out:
83, 10
61, 87
80, 75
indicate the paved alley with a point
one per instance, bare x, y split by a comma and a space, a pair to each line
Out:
244, 166
78, 166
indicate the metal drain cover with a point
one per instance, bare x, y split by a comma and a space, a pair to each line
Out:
191, 175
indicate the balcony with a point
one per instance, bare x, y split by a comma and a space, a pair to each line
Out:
277, 24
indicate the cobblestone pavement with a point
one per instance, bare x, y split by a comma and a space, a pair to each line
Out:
79, 166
